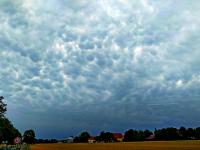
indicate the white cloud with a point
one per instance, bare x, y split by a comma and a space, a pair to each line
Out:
137, 53
179, 83
147, 6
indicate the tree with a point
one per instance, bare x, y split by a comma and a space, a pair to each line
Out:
2, 107
182, 133
82, 138
190, 133
7, 131
105, 137
76, 139
129, 135
197, 133
167, 134
29, 136
134, 135
140, 136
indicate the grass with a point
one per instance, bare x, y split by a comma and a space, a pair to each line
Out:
168, 145
13, 147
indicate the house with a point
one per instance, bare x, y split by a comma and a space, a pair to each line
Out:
151, 137
118, 137
68, 140
91, 140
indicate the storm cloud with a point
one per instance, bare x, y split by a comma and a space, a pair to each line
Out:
73, 65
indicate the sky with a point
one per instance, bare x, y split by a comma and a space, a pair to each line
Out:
68, 66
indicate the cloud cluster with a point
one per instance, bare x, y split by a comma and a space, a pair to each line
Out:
75, 64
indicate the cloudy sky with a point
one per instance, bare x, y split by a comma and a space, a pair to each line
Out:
73, 65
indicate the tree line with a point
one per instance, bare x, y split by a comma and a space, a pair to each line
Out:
177, 134
106, 137
132, 135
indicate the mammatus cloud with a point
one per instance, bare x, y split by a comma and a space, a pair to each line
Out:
72, 65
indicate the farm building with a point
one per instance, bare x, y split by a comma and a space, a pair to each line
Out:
151, 137
118, 137
91, 140
68, 140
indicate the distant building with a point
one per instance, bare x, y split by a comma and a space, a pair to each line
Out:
118, 137
91, 140
151, 137
68, 140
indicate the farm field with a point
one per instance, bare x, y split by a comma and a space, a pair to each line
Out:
168, 145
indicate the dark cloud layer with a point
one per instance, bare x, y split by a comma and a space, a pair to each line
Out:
73, 65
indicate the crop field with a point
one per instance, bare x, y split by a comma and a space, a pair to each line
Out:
171, 145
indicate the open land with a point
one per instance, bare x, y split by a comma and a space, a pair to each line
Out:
160, 145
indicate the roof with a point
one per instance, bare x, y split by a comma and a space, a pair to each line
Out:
118, 135
151, 137
92, 138
69, 138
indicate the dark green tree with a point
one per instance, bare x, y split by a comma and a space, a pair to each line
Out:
140, 136
83, 137
190, 133
167, 134
183, 133
130, 135
135, 135
76, 139
105, 137
7, 131
2, 107
29, 136
197, 133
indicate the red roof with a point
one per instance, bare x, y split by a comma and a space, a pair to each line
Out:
91, 138
118, 135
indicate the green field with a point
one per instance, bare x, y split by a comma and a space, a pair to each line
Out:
171, 145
